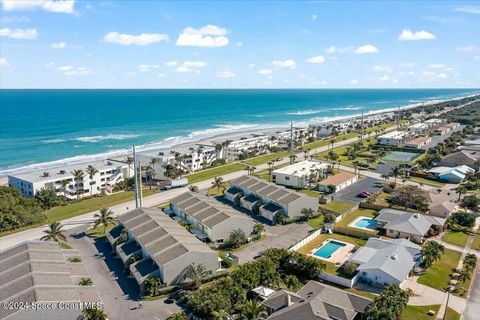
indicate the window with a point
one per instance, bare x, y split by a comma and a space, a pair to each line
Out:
287, 178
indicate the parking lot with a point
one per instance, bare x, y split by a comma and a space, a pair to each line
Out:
349, 194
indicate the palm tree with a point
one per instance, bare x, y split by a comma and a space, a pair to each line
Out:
178, 316
129, 161
104, 218
64, 184
237, 238
258, 228
93, 314
431, 252
77, 176
217, 183
252, 310
395, 172
196, 273
193, 188
85, 282
153, 284
470, 262
54, 232
91, 171
307, 213
151, 170
460, 189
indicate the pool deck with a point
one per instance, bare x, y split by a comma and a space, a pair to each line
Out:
339, 256
352, 224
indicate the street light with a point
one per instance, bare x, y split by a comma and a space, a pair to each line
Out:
449, 290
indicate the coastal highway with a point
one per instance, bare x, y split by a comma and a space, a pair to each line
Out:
163, 197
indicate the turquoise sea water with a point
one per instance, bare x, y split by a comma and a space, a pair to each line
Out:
328, 249
40, 126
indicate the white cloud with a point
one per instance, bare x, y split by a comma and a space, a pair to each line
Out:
466, 49
19, 33
252, 65
409, 35
287, 64
161, 75
469, 9
225, 74
209, 36
334, 49
73, 71
265, 72
316, 59
434, 75
406, 64
142, 39
354, 81
379, 68
61, 6
183, 69
58, 45
195, 64
147, 67
365, 49
3, 62
171, 63
436, 65
50, 64
314, 17
14, 19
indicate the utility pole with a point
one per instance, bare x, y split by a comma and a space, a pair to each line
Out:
135, 177
140, 189
361, 130
291, 142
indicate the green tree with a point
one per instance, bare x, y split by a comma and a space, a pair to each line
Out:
47, 198
93, 314
431, 252
237, 238
91, 171
104, 218
54, 232
193, 188
218, 183
258, 228
178, 316
153, 284
463, 218
196, 273
307, 213
129, 161
85, 282
395, 173
389, 305
64, 183
77, 177
470, 262
460, 189
252, 310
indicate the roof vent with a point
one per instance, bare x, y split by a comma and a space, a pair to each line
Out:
62, 171
394, 256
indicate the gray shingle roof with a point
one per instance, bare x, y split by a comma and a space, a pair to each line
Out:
395, 257
408, 222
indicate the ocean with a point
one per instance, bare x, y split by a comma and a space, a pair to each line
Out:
44, 127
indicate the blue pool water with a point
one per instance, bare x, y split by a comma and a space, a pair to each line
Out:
366, 223
328, 249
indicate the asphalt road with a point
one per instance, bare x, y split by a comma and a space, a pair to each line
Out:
366, 184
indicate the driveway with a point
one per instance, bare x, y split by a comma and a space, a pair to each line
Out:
118, 293
349, 194
280, 236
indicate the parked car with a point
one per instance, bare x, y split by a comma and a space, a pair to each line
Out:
362, 195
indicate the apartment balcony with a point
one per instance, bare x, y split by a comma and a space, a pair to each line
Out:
143, 269
127, 250
269, 211
249, 201
114, 234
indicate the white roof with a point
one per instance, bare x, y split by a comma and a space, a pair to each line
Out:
263, 291
301, 168
393, 135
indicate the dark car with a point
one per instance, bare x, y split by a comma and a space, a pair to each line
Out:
169, 300
362, 195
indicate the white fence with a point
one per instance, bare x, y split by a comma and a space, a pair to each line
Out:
344, 282
306, 240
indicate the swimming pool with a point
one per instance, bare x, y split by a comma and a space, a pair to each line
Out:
329, 248
366, 223
400, 156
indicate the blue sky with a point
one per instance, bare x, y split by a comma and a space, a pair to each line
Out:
244, 44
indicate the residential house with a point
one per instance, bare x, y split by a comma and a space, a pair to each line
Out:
316, 301
41, 272
459, 158
151, 244
110, 172
452, 125
340, 181
418, 142
386, 261
439, 206
472, 142
408, 225
269, 199
210, 218
255, 142
451, 174
442, 130
299, 175
393, 138
419, 128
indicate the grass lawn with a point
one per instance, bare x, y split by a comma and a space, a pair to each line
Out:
381, 199
476, 243
354, 215
451, 314
379, 127
326, 142
265, 158
419, 312
91, 204
311, 193
98, 232
317, 222
337, 206
322, 237
438, 275
458, 238
214, 172
65, 245
341, 154
427, 182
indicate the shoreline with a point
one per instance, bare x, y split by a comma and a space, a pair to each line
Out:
190, 139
